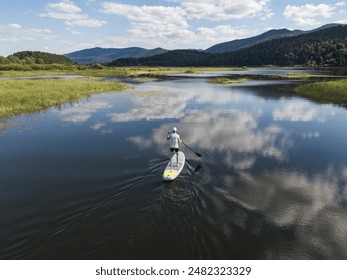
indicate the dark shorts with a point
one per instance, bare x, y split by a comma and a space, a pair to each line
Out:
174, 149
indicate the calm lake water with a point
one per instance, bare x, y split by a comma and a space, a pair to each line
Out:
84, 181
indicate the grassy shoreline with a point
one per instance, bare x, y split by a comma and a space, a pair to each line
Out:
322, 88
331, 91
29, 95
25, 96
115, 71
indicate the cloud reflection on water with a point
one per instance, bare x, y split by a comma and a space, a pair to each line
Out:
233, 134
308, 205
152, 108
81, 112
99, 126
222, 130
297, 111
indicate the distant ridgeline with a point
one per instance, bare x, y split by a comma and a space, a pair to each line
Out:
106, 55
33, 60
324, 47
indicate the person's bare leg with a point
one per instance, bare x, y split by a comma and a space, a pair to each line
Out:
171, 155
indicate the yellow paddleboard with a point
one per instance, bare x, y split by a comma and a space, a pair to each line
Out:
172, 171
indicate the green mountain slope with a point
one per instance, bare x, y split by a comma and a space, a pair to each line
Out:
236, 45
323, 47
104, 55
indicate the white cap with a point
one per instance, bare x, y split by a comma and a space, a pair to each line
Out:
174, 129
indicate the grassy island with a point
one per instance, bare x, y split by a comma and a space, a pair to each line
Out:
331, 91
24, 96
227, 81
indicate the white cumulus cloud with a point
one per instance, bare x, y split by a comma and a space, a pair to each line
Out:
224, 9
170, 24
146, 14
308, 14
14, 26
72, 15
151, 21
64, 7
86, 22
16, 33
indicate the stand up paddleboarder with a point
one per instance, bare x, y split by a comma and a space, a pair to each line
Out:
174, 139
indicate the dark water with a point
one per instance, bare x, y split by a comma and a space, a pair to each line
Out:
85, 181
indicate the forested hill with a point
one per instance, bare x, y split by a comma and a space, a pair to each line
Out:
171, 58
236, 45
326, 47
102, 55
35, 57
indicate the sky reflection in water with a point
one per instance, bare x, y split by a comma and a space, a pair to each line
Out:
270, 166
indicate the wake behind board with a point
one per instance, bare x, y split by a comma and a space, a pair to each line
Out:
172, 171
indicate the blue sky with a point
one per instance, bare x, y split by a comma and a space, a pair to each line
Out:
61, 27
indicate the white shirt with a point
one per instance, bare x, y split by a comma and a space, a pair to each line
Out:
174, 139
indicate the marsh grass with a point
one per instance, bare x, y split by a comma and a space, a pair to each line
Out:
115, 71
331, 91
23, 96
144, 79
85, 72
227, 81
28, 95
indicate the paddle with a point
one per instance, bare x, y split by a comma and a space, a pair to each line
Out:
197, 169
191, 149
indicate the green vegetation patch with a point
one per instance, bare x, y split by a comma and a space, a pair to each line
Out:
332, 91
96, 70
225, 81
296, 76
24, 96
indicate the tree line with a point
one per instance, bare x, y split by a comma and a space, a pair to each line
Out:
34, 60
327, 47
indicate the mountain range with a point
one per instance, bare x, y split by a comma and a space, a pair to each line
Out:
325, 47
107, 55
236, 45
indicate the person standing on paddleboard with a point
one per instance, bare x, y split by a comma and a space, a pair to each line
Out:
174, 139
